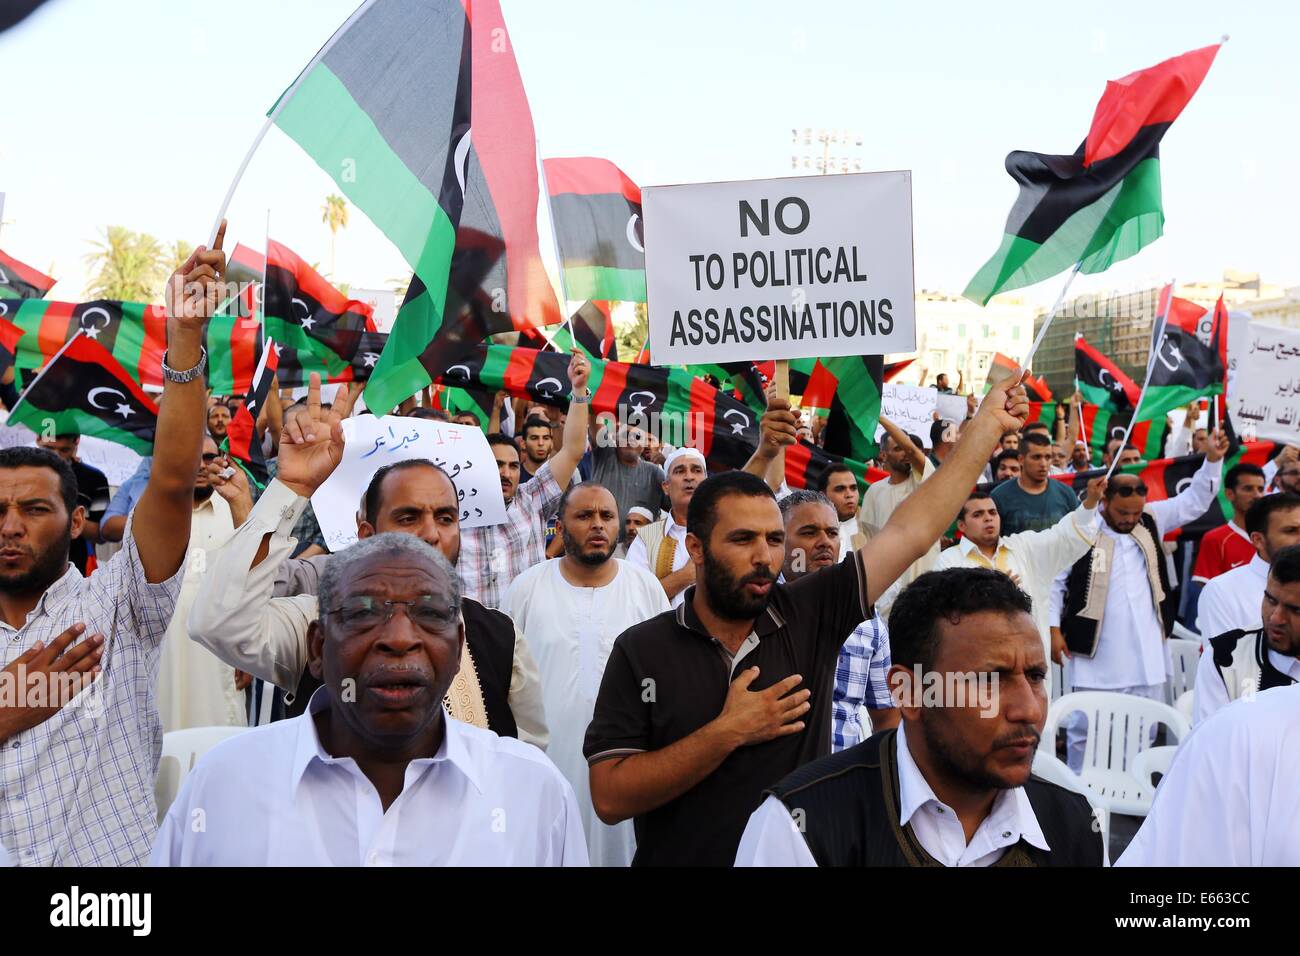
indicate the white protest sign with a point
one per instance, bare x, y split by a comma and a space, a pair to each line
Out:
910, 408
780, 268
1265, 399
951, 408
371, 442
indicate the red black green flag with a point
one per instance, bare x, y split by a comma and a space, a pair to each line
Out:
1183, 369
305, 313
596, 210
84, 389
1101, 204
10, 335
135, 334
20, 281
241, 436
1100, 380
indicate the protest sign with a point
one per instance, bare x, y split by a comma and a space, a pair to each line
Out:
909, 407
951, 408
117, 462
372, 442
780, 268
1264, 401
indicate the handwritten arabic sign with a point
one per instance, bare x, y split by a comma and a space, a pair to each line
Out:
910, 408
371, 442
1265, 397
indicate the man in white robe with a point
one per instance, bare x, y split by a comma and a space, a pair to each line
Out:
570, 610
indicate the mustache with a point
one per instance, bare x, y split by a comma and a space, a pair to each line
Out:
759, 576
1016, 734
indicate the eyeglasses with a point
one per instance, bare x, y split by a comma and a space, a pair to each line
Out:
209, 457
1128, 491
361, 614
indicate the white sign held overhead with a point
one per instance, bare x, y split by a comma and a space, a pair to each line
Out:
1264, 401
780, 268
909, 407
372, 442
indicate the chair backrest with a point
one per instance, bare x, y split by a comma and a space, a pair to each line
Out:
1119, 726
1151, 763
1185, 633
181, 750
1184, 657
1054, 771
1184, 704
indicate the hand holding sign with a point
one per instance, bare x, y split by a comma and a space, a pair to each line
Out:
779, 426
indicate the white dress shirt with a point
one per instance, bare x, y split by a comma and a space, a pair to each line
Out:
638, 555
772, 839
236, 618
1229, 797
847, 530
1131, 649
273, 796
1232, 600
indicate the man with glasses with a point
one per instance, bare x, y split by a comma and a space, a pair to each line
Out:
1115, 606
375, 773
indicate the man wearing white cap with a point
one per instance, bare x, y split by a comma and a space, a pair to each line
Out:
660, 548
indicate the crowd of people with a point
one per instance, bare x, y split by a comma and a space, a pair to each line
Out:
645, 663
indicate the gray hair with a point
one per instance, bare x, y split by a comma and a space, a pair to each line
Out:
804, 496
407, 546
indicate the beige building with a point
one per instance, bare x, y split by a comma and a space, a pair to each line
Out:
958, 337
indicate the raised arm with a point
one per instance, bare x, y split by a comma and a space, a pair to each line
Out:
925, 514
777, 428
161, 527
899, 437
565, 461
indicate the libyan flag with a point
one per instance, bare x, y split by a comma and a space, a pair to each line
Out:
1102, 425
1099, 380
596, 210
85, 390
20, 281
1101, 204
1183, 369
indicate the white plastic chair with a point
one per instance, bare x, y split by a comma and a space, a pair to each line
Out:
1054, 771
1184, 656
1184, 704
1119, 728
1185, 633
1153, 761
181, 750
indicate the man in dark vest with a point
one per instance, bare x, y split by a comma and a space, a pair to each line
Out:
1241, 662
236, 616
1115, 606
952, 786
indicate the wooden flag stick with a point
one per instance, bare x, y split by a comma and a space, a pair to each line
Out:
782, 378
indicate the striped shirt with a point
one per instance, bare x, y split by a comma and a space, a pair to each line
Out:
494, 555
78, 789
861, 680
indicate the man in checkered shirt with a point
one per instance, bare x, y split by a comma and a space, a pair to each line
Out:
491, 556
80, 736
812, 542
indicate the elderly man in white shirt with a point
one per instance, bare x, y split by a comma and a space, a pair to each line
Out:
1113, 604
376, 773
660, 548
1229, 797
571, 609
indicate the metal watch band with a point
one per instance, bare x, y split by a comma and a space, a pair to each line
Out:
190, 374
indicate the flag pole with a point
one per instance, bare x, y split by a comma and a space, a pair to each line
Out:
555, 239
275, 111
1163, 319
1038, 340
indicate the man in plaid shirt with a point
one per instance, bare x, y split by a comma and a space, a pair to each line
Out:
812, 542
80, 736
491, 557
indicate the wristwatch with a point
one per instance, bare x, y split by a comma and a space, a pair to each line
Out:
582, 399
190, 374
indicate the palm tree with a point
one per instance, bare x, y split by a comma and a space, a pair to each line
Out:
177, 253
335, 215
128, 266
635, 335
